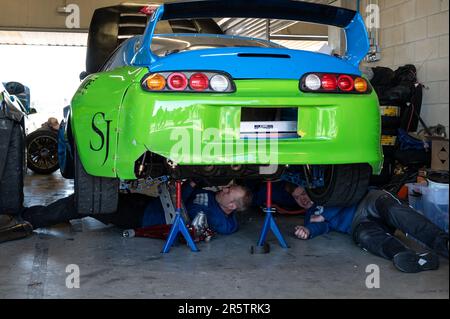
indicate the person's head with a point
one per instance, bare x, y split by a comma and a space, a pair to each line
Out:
53, 123
300, 196
234, 198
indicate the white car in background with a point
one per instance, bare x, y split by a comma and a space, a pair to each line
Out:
41, 132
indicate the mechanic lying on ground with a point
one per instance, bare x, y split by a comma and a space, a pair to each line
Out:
137, 210
372, 224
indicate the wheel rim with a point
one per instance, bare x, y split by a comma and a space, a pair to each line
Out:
43, 152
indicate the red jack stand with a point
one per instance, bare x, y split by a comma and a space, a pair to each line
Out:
179, 226
269, 223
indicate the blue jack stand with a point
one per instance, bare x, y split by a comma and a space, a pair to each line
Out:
269, 223
179, 226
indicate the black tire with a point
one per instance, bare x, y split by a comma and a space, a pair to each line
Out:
11, 182
65, 151
42, 151
345, 185
94, 195
390, 122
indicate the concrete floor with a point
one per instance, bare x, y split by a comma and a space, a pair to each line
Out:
115, 267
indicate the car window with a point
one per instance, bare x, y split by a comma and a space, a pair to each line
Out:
163, 45
205, 26
117, 58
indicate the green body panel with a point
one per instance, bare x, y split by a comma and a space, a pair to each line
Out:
334, 128
95, 111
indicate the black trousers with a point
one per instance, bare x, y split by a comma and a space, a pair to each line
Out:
374, 233
129, 213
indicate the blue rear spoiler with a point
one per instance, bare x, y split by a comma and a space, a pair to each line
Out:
351, 21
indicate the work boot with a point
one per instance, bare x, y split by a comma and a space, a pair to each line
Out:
411, 262
12, 228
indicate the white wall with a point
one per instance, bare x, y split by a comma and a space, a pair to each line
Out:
416, 32
51, 73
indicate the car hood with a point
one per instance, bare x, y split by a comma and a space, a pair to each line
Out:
254, 63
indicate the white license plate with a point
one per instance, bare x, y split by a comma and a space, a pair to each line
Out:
276, 129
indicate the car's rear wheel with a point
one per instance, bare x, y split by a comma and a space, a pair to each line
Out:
42, 151
94, 195
11, 179
345, 185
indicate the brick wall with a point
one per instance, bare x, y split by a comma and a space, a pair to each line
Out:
416, 31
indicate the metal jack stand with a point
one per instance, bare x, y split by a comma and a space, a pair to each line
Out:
179, 226
269, 223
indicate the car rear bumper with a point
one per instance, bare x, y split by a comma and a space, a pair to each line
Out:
204, 129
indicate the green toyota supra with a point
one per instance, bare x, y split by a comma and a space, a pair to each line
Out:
178, 97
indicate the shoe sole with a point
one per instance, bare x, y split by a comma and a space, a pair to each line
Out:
17, 232
414, 263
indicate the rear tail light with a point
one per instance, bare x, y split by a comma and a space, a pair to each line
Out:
219, 83
188, 82
199, 82
329, 82
361, 85
346, 83
334, 83
312, 82
155, 82
177, 82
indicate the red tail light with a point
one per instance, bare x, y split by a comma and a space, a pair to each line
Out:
199, 82
177, 81
189, 82
334, 83
346, 83
329, 82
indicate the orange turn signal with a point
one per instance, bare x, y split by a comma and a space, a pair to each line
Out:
155, 82
361, 85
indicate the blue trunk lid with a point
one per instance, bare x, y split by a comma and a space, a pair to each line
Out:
254, 63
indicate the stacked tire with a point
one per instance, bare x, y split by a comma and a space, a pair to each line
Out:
390, 110
390, 119
400, 97
11, 174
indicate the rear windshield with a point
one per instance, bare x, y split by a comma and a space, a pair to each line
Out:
163, 45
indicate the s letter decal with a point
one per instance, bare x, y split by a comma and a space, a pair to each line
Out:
104, 141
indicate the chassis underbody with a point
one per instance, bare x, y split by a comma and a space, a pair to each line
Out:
153, 166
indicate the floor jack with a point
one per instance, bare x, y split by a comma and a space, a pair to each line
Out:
269, 224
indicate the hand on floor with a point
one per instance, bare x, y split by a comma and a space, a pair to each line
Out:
302, 232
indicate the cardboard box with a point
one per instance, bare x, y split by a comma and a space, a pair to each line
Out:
439, 154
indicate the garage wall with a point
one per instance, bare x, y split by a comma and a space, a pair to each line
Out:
42, 14
417, 32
